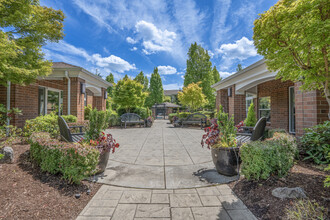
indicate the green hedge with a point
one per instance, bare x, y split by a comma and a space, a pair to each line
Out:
141, 111
46, 123
74, 161
261, 159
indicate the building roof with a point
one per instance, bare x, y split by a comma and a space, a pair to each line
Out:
167, 105
64, 66
171, 92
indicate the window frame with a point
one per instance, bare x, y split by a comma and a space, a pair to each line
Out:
60, 100
265, 109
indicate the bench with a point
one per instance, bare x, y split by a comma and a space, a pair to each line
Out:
195, 118
131, 118
257, 133
66, 134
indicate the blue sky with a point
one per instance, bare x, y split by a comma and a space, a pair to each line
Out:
126, 36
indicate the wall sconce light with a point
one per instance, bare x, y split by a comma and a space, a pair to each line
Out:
230, 91
83, 88
105, 94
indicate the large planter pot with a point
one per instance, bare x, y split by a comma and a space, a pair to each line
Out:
103, 162
225, 160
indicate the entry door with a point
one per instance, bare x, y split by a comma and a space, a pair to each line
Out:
292, 111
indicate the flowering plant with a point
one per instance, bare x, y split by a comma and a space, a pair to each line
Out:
239, 126
105, 143
212, 134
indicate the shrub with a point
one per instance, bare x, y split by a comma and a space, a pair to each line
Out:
316, 143
171, 116
327, 179
269, 133
74, 161
114, 119
98, 120
87, 110
46, 123
271, 157
183, 114
7, 114
306, 210
251, 118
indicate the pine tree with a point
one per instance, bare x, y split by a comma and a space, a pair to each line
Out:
143, 80
216, 75
199, 69
251, 119
156, 92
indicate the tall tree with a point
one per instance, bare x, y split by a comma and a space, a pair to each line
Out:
111, 80
25, 26
192, 96
239, 67
156, 92
216, 74
128, 94
199, 69
143, 80
293, 37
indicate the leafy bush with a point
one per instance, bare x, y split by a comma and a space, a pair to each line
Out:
316, 143
251, 118
7, 114
271, 157
327, 179
74, 161
114, 119
269, 133
141, 111
87, 110
98, 120
171, 116
46, 123
306, 210
183, 114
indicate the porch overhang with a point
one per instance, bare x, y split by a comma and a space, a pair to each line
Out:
247, 78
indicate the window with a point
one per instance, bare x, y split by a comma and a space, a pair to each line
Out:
264, 107
292, 111
85, 99
248, 100
50, 100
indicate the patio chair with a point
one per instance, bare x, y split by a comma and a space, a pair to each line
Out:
257, 133
66, 134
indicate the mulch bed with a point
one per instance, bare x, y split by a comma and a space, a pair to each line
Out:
257, 195
28, 193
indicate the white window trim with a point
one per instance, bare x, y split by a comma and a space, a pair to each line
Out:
46, 98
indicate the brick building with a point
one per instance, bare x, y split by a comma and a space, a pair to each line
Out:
50, 94
284, 105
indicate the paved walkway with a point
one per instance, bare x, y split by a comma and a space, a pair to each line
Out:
153, 176
161, 157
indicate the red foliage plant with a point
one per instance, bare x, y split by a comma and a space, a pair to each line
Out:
105, 143
212, 134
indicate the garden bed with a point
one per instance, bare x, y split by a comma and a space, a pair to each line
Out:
28, 193
257, 195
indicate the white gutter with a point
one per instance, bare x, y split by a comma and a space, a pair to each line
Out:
8, 107
69, 91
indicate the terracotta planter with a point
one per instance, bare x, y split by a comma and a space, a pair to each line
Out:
103, 162
225, 160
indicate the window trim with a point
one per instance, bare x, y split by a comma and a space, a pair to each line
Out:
263, 109
46, 89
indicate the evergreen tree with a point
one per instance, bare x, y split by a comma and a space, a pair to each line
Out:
156, 92
216, 75
239, 67
111, 80
251, 118
143, 80
199, 69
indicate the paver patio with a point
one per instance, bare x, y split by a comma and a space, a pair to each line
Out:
151, 176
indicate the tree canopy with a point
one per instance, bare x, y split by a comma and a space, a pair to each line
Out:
156, 92
128, 94
216, 75
239, 67
199, 69
141, 78
111, 80
293, 36
25, 26
192, 96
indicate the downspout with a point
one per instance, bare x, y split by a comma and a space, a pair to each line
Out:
69, 91
8, 107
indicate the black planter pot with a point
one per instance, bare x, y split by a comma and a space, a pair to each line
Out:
103, 162
225, 160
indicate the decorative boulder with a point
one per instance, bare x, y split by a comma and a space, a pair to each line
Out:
289, 193
8, 154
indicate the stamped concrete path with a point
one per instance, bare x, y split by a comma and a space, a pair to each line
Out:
163, 173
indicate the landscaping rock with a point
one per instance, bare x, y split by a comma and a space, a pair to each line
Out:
8, 155
289, 193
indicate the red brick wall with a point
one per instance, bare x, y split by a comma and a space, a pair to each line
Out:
222, 99
279, 99
236, 106
77, 99
311, 109
89, 97
99, 102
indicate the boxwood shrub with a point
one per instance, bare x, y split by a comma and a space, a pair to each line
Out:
261, 159
74, 161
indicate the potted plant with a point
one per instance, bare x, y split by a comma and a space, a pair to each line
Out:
106, 144
221, 138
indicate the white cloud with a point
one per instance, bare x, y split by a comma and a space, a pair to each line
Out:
241, 49
112, 62
134, 49
131, 40
225, 74
172, 86
154, 39
166, 70
210, 53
